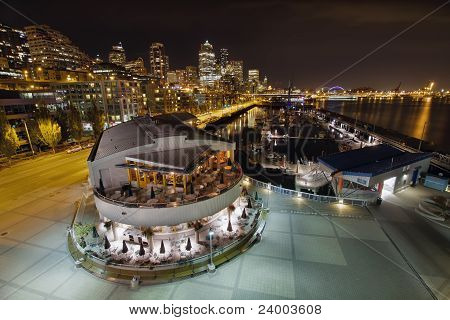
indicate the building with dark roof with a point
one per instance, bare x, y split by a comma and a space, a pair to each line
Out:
382, 167
162, 172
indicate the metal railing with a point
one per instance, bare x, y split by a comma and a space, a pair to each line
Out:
305, 195
257, 226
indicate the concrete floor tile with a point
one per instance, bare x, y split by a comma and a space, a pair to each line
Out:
312, 225
53, 237
54, 277
6, 244
23, 294
39, 268
359, 228
275, 245
25, 229
83, 285
225, 275
188, 290
318, 249
156, 292
268, 276
13, 262
278, 222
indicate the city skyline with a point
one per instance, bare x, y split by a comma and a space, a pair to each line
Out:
301, 42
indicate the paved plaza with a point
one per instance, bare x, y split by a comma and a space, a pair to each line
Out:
308, 250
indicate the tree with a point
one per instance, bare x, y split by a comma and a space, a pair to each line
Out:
9, 142
63, 121
48, 132
75, 124
97, 119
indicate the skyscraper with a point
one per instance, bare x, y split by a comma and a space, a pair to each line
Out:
236, 69
253, 76
51, 49
117, 55
223, 60
191, 76
136, 67
14, 51
207, 65
159, 61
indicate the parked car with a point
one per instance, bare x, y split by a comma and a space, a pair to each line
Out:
89, 145
74, 149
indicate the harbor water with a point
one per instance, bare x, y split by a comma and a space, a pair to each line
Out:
409, 116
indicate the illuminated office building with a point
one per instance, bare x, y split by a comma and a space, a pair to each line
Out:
117, 55
191, 76
53, 50
159, 61
253, 76
236, 69
223, 60
207, 68
136, 67
14, 52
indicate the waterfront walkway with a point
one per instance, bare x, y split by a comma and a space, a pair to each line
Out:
308, 250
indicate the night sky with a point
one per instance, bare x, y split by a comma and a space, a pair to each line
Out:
306, 41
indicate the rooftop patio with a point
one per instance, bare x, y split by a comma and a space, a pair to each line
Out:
157, 180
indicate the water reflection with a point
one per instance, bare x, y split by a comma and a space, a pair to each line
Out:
405, 115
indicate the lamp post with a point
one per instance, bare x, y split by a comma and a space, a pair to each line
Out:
211, 266
28, 136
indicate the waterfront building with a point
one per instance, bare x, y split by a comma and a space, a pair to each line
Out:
207, 67
383, 168
159, 61
162, 174
53, 50
120, 99
117, 55
136, 67
14, 52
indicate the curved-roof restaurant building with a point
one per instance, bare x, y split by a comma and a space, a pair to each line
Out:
151, 172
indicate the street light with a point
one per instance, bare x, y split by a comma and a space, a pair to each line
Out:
28, 136
211, 266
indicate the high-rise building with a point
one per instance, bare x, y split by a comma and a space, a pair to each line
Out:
253, 76
51, 49
14, 52
207, 68
119, 99
236, 69
159, 61
136, 67
181, 76
223, 60
98, 59
172, 77
191, 77
177, 77
117, 55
